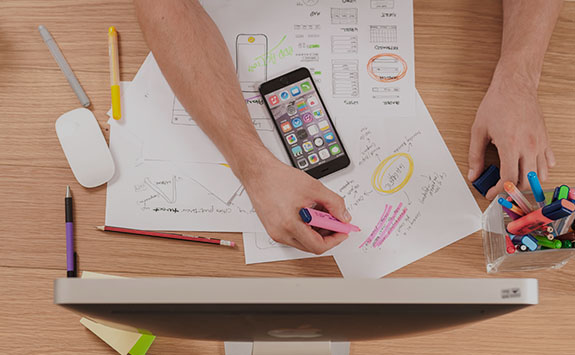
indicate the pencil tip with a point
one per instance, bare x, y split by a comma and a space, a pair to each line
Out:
101, 228
68, 193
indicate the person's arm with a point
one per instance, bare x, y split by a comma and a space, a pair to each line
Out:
509, 115
196, 63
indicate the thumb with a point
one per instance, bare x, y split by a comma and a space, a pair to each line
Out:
477, 146
334, 204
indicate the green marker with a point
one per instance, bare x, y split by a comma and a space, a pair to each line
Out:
563, 192
544, 242
566, 244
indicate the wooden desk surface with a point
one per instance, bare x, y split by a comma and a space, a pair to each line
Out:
457, 46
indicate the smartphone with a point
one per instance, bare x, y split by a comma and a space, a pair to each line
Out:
303, 123
251, 60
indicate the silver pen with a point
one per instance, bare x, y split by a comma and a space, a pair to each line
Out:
64, 66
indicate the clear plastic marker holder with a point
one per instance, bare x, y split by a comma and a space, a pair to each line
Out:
494, 247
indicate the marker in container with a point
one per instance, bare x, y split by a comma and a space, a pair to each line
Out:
571, 194
511, 215
324, 220
563, 192
509, 246
536, 188
510, 206
541, 217
567, 236
552, 244
528, 241
517, 196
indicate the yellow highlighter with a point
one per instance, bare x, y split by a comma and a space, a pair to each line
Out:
114, 72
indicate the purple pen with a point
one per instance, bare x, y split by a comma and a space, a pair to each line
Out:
70, 259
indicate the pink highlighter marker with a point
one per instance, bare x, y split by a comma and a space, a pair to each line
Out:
324, 220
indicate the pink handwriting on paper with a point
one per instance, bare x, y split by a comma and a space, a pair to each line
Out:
392, 227
378, 226
377, 242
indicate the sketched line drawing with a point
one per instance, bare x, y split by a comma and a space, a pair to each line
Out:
345, 77
344, 44
382, 4
395, 182
343, 16
161, 193
250, 47
179, 114
310, 2
386, 67
263, 241
383, 34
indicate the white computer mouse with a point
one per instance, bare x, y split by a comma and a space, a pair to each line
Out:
85, 147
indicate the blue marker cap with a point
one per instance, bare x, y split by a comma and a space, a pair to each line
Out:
530, 242
487, 180
535, 186
305, 215
503, 202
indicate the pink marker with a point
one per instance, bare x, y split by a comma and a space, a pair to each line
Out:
572, 194
324, 220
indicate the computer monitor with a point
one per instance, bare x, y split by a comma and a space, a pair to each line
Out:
318, 310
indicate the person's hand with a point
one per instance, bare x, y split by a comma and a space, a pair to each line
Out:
510, 117
278, 192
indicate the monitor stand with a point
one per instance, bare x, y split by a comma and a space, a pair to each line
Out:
287, 348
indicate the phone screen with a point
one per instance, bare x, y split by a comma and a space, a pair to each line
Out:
306, 129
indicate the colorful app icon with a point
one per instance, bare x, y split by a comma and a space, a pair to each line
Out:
312, 129
302, 163
306, 86
324, 154
329, 137
323, 125
291, 110
286, 127
273, 100
318, 113
313, 158
335, 149
291, 139
318, 142
284, 95
301, 134
307, 146
296, 122
312, 101
301, 105
297, 151
307, 117
295, 91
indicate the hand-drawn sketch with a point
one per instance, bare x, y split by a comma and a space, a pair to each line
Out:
392, 173
251, 60
345, 78
386, 67
383, 33
158, 188
382, 4
343, 16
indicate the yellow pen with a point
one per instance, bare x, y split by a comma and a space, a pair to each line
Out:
114, 72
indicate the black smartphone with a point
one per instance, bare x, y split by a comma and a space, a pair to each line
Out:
303, 123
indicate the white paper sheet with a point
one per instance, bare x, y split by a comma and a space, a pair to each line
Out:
357, 53
360, 52
403, 222
148, 194
260, 248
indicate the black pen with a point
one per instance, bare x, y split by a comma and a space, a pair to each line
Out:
70, 254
